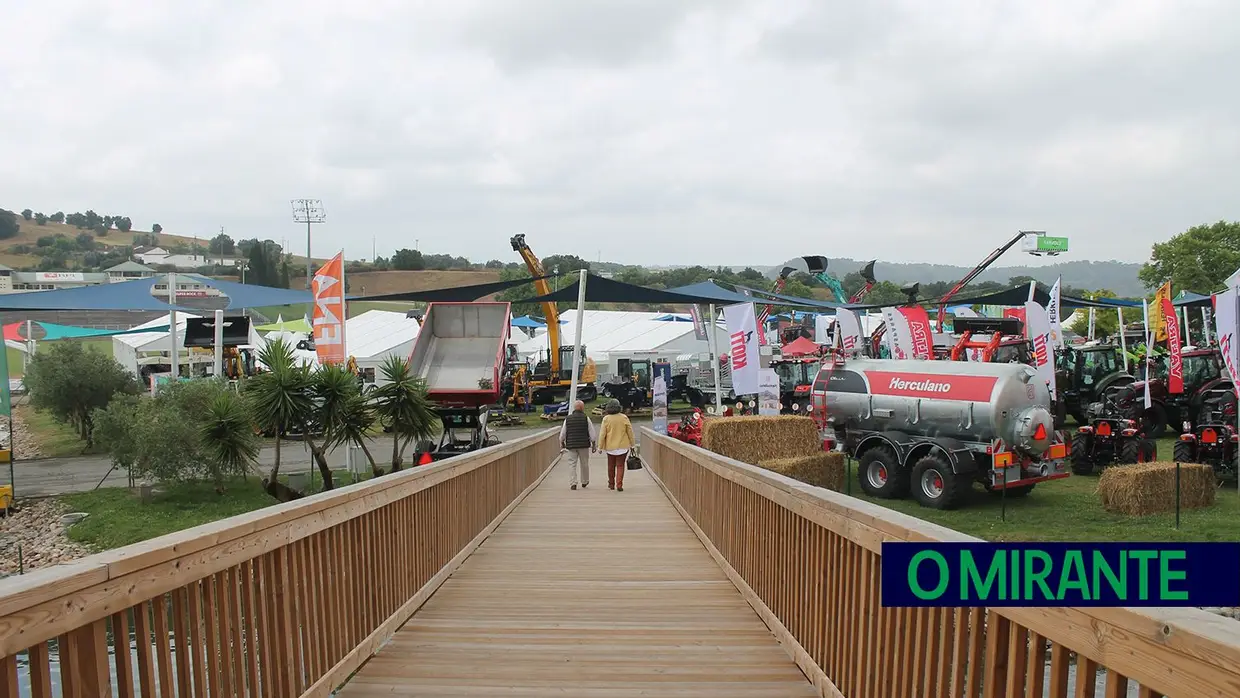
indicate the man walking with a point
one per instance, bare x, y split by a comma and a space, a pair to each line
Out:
578, 437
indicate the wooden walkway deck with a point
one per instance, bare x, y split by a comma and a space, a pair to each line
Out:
591, 593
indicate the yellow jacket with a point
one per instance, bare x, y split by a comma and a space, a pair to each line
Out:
617, 432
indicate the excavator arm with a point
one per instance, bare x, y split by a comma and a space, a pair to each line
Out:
550, 311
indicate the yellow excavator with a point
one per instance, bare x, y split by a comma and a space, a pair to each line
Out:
552, 377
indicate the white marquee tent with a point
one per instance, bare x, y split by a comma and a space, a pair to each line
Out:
369, 338
127, 349
606, 332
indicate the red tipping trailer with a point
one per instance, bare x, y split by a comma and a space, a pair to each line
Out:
461, 354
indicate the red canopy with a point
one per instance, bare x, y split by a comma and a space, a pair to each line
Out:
799, 347
13, 331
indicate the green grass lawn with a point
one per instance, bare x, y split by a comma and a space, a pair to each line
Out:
56, 440
118, 517
1069, 510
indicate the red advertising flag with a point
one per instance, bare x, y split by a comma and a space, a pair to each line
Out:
919, 328
1018, 313
1175, 377
328, 288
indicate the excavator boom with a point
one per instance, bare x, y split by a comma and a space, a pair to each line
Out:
550, 312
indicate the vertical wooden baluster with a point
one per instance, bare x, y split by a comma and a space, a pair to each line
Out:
268, 673
142, 642
284, 625
234, 611
1117, 685
223, 627
8, 677
1059, 671
1018, 652
163, 650
250, 614
185, 680
947, 618
318, 602
996, 655
1035, 665
41, 671
959, 652
302, 651
197, 640
67, 687
211, 619
1147, 692
124, 660
1086, 677
977, 636
87, 651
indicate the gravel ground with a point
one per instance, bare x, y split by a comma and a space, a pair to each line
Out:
26, 446
37, 530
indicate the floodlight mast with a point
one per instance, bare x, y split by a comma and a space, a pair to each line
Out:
978, 270
308, 211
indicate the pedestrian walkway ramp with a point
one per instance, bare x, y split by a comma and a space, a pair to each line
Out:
586, 593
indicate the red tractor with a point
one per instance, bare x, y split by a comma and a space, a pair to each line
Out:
1109, 437
1213, 439
1203, 373
689, 430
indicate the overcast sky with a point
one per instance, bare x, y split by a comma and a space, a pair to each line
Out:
644, 131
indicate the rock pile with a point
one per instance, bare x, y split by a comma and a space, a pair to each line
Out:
39, 532
27, 446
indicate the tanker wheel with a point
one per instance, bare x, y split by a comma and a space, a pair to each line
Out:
1182, 452
880, 474
1130, 451
935, 485
1082, 459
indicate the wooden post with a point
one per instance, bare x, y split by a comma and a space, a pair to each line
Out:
87, 652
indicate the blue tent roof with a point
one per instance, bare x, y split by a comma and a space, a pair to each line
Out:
673, 318
1190, 299
136, 295
527, 321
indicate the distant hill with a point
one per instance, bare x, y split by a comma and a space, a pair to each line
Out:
377, 282
1120, 277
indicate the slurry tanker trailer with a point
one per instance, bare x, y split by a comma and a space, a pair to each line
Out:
931, 429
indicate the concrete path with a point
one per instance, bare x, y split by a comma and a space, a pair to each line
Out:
51, 476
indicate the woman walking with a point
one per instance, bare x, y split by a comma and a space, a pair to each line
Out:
616, 439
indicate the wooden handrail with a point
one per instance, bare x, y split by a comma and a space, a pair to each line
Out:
809, 561
285, 601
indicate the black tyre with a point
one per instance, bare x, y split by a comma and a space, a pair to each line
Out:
1183, 452
1082, 457
1154, 421
1129, 451
934, 485
880, 474
424, 446
587, 393
1149, 450
695, 397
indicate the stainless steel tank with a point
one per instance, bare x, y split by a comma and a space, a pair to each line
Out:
968, 401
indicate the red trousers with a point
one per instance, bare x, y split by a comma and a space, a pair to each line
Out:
615, 469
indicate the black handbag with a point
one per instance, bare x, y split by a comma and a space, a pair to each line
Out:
634, 461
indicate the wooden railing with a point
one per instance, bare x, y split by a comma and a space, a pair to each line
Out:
286, 601
808, 561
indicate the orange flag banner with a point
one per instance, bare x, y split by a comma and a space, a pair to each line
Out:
328, 289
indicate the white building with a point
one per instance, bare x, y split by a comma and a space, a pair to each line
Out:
157, 256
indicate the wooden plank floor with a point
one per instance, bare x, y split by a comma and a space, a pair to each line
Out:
590, 593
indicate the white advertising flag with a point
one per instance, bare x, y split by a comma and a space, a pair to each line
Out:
768, 392
1052, 314
743, 347
1226, 308
848, 327
659, 405
899, 336
822, 329
1038, 330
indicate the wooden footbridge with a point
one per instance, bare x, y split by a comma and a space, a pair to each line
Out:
484, 575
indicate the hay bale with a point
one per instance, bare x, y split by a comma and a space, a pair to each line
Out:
1149, 488
824, 470
757, 438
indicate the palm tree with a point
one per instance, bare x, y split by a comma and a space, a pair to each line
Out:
279, 398
228, 438
346, 414
402, 406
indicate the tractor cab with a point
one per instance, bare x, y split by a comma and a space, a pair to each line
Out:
1212, 439
632, 383
1084, 374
